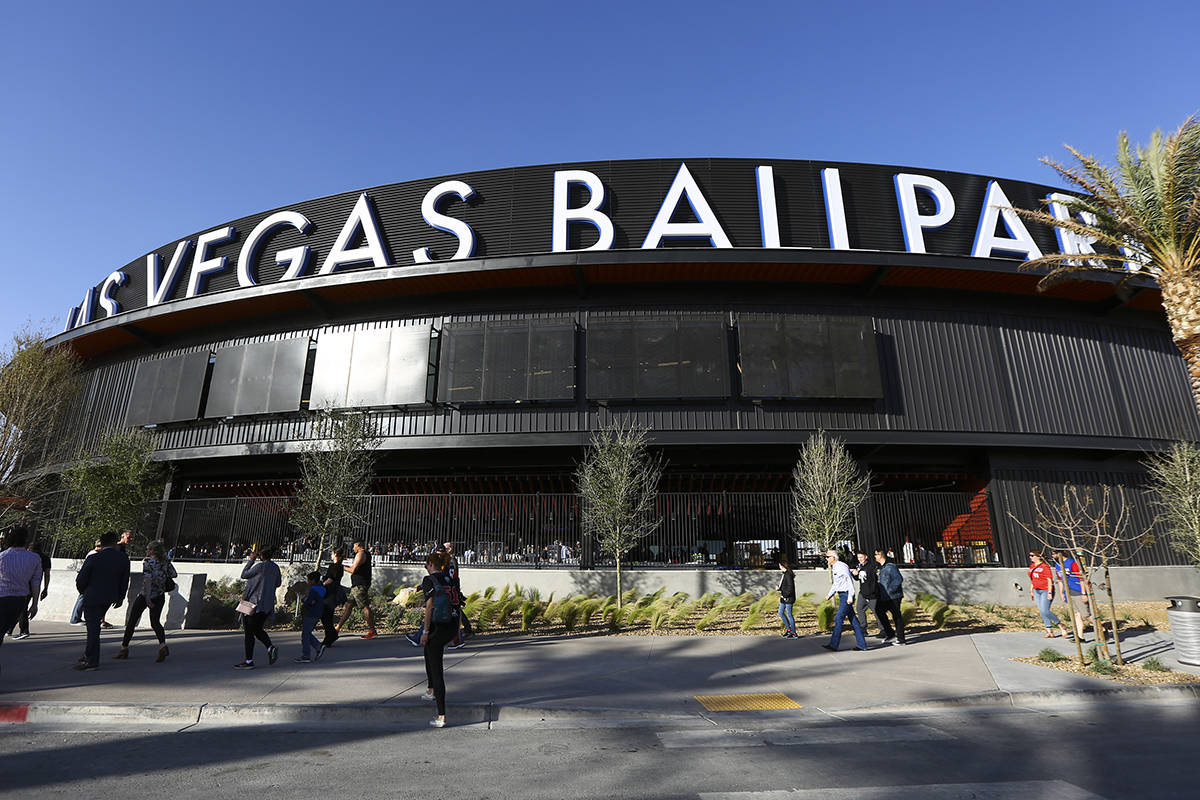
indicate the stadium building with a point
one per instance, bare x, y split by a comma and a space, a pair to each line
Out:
490, 321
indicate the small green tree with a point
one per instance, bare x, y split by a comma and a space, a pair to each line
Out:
111, 488
1175, 491
335, 472
827, 487
618, 483
37, 386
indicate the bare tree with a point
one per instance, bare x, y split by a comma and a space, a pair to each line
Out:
1175, 491
827, 487
1095, 531
37, 386
618, 482
335, 474
110, 488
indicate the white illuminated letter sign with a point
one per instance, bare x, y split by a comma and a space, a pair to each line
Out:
83, 314
912, 220
296, 258
835, 209
202, 265
361, 218
996, 207
160, 289
590, 212
707, 227
436, 219
112, 307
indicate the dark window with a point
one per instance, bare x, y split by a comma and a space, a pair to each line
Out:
657, 358
167, 390
808, 356
262, 378
507, 362
371, 368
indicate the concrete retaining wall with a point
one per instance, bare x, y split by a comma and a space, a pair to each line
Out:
981, 585
183, 605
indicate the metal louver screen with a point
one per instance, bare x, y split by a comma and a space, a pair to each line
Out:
371, 368
507, 362
264, 378
808, 357
657, 358
167, 390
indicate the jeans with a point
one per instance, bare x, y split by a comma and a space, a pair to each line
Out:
93, 616
1042, 598
252, 624
844, 610
136, 608
435, 651
785, 614
306, 636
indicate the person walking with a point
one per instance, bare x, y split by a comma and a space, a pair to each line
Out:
103, 580
867, 589
360, 589
262, 578
1041, 592
156, 571
439, 629
890, 593
787, 598
20, 577
335, 595
1072, 590
23, 622
843, 587
314, 604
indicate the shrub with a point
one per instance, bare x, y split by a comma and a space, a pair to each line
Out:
489, 592
806, 601
752, 620
488, 614
532, 593
1154, 665
1050, 655
825, 614
708, 619
938, 612
628, 596
678, 599
505, 592
396, 618
683, 611
708, 600
530, 611
415, 598
414, 617
744, 600
651, 598
589, 606
1103, 667
569, 613
660, 615
616, 618
908, 612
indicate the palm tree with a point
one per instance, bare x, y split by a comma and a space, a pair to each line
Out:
1145, 215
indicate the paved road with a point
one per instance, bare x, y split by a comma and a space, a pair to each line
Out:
1112, 751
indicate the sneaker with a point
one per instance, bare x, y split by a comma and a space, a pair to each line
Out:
163, 652
856, 647
829, 647
106, 625
437, 723
889, 639
413, 639
244, 665
83, 666
320, 652
122, 653
370, 635
21, 636
272, 654
458, 646
897, 643
428, 697
303, 660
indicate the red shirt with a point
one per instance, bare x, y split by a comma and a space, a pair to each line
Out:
1039, 576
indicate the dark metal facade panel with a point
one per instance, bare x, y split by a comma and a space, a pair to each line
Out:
167, 390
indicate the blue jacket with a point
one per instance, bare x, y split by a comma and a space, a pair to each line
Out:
314, 604
890, 581
104, 578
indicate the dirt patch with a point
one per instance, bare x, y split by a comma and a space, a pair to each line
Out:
1128, 674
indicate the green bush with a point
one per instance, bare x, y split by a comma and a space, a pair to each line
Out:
589, 606
752, 620
1154, 665
396, 618
938, 612
489, 592
616, 618
628, 596
1050, 655
908, 612
924, 599
708, 600
678, 599
744, 600
651, 598
806, 601
660, 615
708, 619
1102, 667
825, 614
530, 611
683, 611
569, 613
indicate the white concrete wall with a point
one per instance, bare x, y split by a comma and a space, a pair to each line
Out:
183, 605
979, 585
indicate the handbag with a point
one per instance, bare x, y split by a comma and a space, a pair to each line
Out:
246, 608
169, 585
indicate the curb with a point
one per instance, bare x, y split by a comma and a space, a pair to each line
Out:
1042, 698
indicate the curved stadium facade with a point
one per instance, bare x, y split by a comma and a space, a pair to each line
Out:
490, 321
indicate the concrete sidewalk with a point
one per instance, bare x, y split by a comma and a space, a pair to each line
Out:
537, 677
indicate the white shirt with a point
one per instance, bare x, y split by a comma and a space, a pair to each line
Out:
842, 582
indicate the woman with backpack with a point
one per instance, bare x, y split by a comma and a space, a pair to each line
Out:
440, 628
158, 579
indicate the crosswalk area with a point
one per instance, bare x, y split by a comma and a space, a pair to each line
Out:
1003, 790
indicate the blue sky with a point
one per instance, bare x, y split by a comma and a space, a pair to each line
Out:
128, 125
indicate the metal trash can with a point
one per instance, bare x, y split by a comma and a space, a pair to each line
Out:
1184, 619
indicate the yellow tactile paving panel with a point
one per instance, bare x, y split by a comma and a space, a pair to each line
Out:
770, 701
